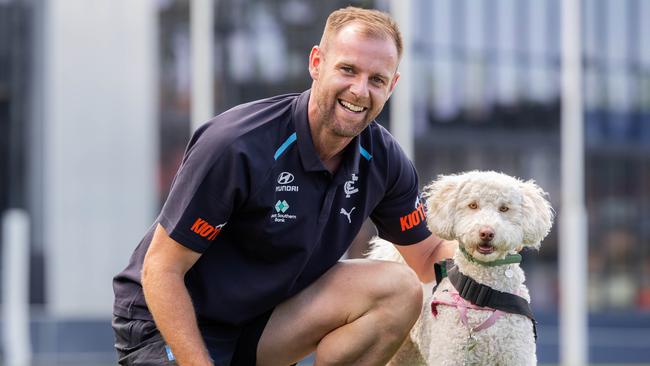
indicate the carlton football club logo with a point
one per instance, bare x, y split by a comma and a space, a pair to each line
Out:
349, 187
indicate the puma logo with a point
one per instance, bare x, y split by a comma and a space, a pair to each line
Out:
347, 214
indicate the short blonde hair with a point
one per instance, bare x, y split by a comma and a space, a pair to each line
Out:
374, 23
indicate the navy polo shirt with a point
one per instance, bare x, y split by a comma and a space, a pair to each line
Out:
255, 199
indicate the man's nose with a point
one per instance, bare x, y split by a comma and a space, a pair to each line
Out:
359, 87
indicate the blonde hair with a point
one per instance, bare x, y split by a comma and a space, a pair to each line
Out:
374, 23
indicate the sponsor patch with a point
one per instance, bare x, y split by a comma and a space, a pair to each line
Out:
283, 180
280, 214
414, 218
205, 229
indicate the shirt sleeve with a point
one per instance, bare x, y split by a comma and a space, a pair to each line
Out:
207, 188
400, 216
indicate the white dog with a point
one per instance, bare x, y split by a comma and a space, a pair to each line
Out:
492, 216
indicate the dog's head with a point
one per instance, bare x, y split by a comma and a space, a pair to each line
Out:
489, 213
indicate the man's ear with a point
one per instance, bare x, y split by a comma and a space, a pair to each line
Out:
393, 83
315, 59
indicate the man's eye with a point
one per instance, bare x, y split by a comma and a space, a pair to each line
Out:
347, 69
378, 80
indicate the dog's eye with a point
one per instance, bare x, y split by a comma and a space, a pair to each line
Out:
473, 205
503, 208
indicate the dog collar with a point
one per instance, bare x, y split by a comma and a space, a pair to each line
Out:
509, 259
482, 295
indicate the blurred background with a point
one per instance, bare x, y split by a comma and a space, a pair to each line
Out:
95, 104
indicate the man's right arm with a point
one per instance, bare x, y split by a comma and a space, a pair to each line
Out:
163, 273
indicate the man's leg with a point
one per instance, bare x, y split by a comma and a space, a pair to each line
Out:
359, 312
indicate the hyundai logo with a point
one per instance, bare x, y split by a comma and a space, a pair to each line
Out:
285, 178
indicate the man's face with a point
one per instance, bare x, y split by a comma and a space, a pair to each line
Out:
353, 77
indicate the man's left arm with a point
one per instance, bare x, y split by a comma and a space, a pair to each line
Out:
423, 255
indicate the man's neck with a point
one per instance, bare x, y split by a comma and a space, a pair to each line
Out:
328, 146
329, 150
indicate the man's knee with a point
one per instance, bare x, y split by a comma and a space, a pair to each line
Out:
397, 305
398, 285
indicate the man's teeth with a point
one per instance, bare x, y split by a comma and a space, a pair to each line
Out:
352, 107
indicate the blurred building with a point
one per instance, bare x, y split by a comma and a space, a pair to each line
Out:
94, 117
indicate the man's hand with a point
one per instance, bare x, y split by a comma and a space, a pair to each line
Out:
422, 256
163, 273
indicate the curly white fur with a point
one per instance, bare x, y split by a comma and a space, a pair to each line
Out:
459, 206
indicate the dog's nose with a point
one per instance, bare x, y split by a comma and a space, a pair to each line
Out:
486, 233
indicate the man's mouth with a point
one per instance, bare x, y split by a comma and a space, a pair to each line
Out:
351, 107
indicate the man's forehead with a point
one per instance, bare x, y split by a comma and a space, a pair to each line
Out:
360, 32
367, 46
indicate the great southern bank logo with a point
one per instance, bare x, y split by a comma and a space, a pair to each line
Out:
281, 206
280, 214
283, 180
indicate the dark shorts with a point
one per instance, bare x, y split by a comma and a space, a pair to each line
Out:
139, 343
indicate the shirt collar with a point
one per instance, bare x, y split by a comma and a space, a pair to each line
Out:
308, 156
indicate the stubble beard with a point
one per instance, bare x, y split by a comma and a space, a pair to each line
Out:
337, 126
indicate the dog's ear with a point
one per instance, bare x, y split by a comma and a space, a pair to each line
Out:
537, 213
441, 205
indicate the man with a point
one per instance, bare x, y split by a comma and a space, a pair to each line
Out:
242, 265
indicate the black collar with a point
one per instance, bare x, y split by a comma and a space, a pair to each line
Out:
483, 295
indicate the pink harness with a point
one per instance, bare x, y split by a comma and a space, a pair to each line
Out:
462, 305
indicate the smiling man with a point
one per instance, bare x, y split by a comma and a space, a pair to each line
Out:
242, 265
